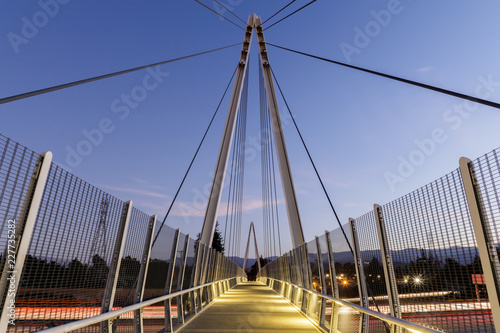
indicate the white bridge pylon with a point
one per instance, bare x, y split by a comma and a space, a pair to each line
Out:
252, 228
207, 233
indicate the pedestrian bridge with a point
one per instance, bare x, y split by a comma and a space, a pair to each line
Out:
77, 259
252, 307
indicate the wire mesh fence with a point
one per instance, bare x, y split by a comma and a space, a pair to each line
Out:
435, 256
68, 258
487, 172
349, 320
158, 264
132, 258
16, 166
435, 270
371, 259
79, 262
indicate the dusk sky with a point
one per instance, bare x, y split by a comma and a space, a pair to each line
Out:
373, 140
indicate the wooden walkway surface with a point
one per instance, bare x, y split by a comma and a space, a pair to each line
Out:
250, 307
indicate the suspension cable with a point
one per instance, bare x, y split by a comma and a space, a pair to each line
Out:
235, 193
322, 185
312, 162
244, 106
185, 176
225, 18
264, 173
231, 12
229, 201
396, 78
269, 189
105, 76
276, 198
194, 157
279, 11
298, 10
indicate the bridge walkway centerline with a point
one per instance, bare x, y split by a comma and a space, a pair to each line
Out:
250, 307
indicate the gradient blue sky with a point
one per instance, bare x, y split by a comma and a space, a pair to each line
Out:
358, 127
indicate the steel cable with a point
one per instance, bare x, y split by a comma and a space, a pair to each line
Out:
225, 18
322, 184
298, 10
279, 11
231, 12
100, 77
194, 157
396, 78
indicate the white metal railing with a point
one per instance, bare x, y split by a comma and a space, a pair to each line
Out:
218, 288
396, 322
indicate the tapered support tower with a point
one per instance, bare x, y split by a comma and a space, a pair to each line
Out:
252, 228
254, 23
207, 232
292, 208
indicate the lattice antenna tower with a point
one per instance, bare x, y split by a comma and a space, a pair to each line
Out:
100, 238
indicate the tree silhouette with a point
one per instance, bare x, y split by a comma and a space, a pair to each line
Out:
217, 242
252, 273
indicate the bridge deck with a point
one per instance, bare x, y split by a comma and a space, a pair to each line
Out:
250, 307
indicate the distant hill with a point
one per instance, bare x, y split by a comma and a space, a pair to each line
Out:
463, 255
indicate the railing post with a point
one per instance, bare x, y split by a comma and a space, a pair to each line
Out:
308, 273
180, 283
206, 274
193, 281
213, 275
286, 268
363, 294
322, 310
18, 245
306, 268
298, 274
168, 283
216, 273
141, 280
292, 271
195, 295
199, 293
114, 267
334, 320
390, 277
485, 244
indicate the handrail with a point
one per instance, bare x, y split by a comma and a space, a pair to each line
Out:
387, 318
116, 313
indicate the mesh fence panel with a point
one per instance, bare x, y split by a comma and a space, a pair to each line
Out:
378, 326
435, 257
344, 265
70, 251
66, 268
158, 264
371, 259
434, 252
190, 262
154, 318
349, 320
178, 263
313, 263
131, 259
16, 166
346, 278
487, 171
188, 276
327, 288
314, 302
